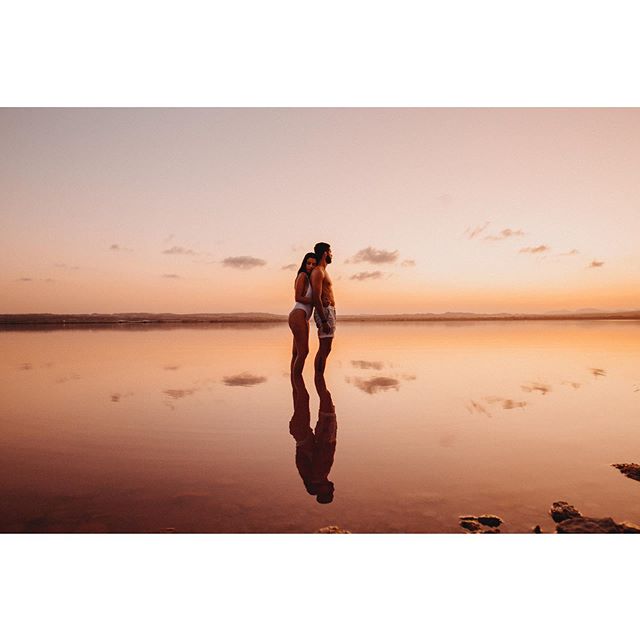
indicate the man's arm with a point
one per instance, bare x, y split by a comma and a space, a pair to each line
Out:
317, 278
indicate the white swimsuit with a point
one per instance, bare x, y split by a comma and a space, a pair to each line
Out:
307, 308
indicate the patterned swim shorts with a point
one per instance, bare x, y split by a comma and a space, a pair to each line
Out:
330, 315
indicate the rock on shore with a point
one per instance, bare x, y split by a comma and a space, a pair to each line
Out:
595, 525
475, 524
332, 528
561, 511
570, 520
631, 470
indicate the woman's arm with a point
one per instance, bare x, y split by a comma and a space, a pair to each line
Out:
301, 286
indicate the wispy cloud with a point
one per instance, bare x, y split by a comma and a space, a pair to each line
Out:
116, 397
180, 251
594, 264
243, 262
506, 403
506, 233
63, 265
376, 384
573, 252
542, 387
408, 263
477, 407
367, 364
24, 279
367, 275
289, 267
176, 394
541, 248
173, 276
374, 256
513, 404
473, 232
243, 380
50, 280
119, 247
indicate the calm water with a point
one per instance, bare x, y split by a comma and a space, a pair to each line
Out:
191, 429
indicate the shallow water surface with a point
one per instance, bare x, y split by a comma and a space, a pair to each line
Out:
193, 428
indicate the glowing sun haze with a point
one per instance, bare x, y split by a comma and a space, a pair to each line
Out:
212, 210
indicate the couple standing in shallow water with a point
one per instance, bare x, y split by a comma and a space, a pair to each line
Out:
315, 450
313, 293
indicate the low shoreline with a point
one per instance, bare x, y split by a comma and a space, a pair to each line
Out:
119, 319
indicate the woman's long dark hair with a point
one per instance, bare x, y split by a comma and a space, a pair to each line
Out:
303, 266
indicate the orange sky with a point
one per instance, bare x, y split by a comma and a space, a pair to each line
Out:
427, 210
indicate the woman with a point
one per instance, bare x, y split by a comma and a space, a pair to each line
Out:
300, 314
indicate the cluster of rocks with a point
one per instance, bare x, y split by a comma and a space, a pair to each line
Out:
481, 524
569, 520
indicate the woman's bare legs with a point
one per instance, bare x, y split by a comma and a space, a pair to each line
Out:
300, 328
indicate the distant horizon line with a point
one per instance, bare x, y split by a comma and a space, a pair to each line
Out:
131, 317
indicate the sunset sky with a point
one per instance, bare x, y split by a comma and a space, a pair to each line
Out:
427, 210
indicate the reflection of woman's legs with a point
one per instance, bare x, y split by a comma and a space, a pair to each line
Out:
294, 383
300, 329
294, 353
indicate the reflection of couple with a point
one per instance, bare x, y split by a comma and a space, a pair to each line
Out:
314, 451
314, 292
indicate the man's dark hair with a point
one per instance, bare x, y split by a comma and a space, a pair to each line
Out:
320, 248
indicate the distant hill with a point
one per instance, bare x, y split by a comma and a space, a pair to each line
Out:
134, 318
56, 320
462, 316
590, 310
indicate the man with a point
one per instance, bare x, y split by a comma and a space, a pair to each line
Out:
325, 444
315, 451
324, 305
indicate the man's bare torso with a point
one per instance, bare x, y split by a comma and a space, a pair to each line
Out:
327, 290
